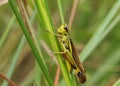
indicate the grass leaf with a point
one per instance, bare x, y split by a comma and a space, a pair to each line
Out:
94, 41
31, 43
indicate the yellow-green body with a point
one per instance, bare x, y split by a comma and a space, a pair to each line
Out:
69, 53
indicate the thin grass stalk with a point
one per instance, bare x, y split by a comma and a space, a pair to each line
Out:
17, 54
73, 12
99, 32
62, 22
14, 60
113, 59
31, 43
38, 75
7, 30
29, 27
46, 23
61, 11
109, 28
117, 83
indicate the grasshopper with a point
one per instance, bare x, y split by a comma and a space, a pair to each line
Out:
69, 53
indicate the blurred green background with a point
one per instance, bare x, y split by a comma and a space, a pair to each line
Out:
102, 65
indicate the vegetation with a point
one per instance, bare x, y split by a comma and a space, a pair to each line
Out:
26, 48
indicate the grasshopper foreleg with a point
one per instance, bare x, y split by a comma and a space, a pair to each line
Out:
52, 33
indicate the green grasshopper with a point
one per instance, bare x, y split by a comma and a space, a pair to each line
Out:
69, 53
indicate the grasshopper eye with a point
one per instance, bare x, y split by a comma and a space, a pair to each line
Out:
66, 28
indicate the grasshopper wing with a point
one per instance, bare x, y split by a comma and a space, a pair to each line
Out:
81, 73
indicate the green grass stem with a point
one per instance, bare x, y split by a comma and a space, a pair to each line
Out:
7, 30
47, 23
92, 44
61, 11
14, 60
109, 63
31, 43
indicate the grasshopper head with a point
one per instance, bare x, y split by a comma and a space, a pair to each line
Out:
63, 33
63, 29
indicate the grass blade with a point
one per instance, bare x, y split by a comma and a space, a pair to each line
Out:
30, 41
99, 32
61, 11
117, 83
14, 60
7, 31
47, 23
113, 59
